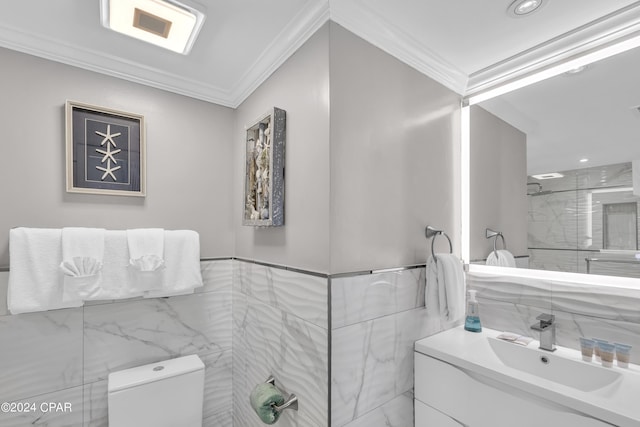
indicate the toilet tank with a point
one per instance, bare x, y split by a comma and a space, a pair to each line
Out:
163, 394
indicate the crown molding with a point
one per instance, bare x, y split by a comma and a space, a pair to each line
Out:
359, 18
292, 36
288, 41
609, 29
54, 50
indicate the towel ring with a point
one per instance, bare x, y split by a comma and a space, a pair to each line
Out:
432, 233
489, 233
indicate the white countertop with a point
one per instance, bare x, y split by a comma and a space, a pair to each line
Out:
617, 403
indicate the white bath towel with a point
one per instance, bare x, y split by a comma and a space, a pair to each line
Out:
182, 261
35, 280
501, 258
115, 281
445, 293
82, 255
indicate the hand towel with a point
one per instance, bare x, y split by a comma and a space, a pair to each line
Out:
182, 264
35, 280
146, 248
146, 252
501, 258
445, 293
82, 254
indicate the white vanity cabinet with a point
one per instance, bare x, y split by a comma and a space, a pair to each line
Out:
448, 396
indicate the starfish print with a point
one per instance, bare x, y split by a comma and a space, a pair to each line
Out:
108, 137
108, 170
108, 154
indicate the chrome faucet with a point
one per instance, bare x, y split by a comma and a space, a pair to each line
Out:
547, 329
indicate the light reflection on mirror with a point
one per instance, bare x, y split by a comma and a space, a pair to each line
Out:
585, 218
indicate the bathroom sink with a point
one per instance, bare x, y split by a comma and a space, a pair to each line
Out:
577, 374
559, 379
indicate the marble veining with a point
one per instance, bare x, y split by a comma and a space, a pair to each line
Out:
96, 412
568, 216
269, 341
216, 275
126, 334
570, 261
359, 298
587, 310
302, 295
372, 362
395, 413
376, 318
499, 287
66, 355
217, 393
41, 353
49, 418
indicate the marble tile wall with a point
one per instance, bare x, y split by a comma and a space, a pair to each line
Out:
376, 318
280, 328
66, 355
512, 304
565, 221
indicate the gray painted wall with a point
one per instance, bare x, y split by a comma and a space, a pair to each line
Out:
188, 152
301, 87
393, 164
498, 184
370, 158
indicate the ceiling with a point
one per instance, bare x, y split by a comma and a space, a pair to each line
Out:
593, 115
467, 45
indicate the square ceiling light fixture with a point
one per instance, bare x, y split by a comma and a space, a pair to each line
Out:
165, 23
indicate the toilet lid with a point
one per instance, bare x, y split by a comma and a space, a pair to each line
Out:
139, 375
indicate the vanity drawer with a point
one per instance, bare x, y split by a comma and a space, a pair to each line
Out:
477, 401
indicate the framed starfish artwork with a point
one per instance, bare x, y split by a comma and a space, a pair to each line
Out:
105, 151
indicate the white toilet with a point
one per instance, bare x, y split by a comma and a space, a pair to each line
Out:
163, 394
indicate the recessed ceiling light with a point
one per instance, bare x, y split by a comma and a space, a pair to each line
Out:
165, 23
584, 160
520, 8
549, 175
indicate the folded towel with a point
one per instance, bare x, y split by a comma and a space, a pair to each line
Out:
445, 293
35, 280
501, 258
182, 264
146, 259
146, 248
82, 254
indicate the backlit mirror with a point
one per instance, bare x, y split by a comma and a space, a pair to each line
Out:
555, 168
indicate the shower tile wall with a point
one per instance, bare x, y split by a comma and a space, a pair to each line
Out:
511, 304
66, 355
565, 226
280, 328
376, 318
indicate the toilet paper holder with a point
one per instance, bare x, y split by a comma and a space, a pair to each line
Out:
290, 403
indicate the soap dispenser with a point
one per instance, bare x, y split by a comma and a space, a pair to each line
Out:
472, 322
